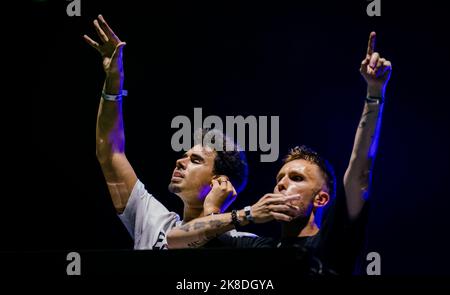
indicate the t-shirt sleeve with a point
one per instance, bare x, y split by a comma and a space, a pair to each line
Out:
147, 220
342, 239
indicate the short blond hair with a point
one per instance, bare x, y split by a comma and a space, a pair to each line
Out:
305, 153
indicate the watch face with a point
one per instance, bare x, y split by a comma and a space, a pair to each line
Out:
248, 213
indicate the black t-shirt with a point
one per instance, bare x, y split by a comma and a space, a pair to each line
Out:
336, 245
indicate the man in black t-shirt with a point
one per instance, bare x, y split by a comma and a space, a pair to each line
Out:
334, 247
305, 186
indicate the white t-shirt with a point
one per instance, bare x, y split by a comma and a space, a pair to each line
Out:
148, 221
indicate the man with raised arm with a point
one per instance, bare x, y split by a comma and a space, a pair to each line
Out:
146, 219
337, 241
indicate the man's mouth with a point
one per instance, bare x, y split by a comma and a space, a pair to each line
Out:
177, 174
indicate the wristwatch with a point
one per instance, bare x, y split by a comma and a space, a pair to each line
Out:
248, 213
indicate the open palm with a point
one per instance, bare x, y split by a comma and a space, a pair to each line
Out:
110, 46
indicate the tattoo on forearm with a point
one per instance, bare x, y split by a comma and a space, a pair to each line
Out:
368, 113
213, 224
202, 224
217, 223
194, 244
365, 179
185, 227
363, 121
200, 242
199, 225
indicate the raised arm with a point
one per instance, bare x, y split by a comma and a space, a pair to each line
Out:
376, 71
110, 138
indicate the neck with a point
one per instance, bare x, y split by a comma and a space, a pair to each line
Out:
300, 227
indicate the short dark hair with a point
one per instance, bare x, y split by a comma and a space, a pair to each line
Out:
305, 153
230, 160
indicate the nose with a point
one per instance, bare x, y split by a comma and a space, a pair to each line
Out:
282, 185
181, 163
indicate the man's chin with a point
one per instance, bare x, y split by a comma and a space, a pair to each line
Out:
174, 188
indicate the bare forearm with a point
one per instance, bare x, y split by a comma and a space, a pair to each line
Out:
198, 232
119, 175
366, 137
110, 134
358, 175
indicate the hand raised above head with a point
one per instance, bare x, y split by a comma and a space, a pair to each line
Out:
110, 46
375, 69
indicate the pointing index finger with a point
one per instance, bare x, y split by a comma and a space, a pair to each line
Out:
371, 44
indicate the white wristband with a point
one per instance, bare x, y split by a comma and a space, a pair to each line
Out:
114, 97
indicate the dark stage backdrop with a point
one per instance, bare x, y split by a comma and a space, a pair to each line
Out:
298, 61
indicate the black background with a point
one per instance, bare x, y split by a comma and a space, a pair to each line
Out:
296, 60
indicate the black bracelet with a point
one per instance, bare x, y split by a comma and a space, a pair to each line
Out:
374, 99
234, 218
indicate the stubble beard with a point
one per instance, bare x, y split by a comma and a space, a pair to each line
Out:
173, 188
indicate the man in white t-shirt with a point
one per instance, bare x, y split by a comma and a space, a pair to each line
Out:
201, 177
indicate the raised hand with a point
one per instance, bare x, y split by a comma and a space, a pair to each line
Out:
375, 69
110, 47
221, 194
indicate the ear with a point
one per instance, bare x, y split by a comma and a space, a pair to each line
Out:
321, 199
